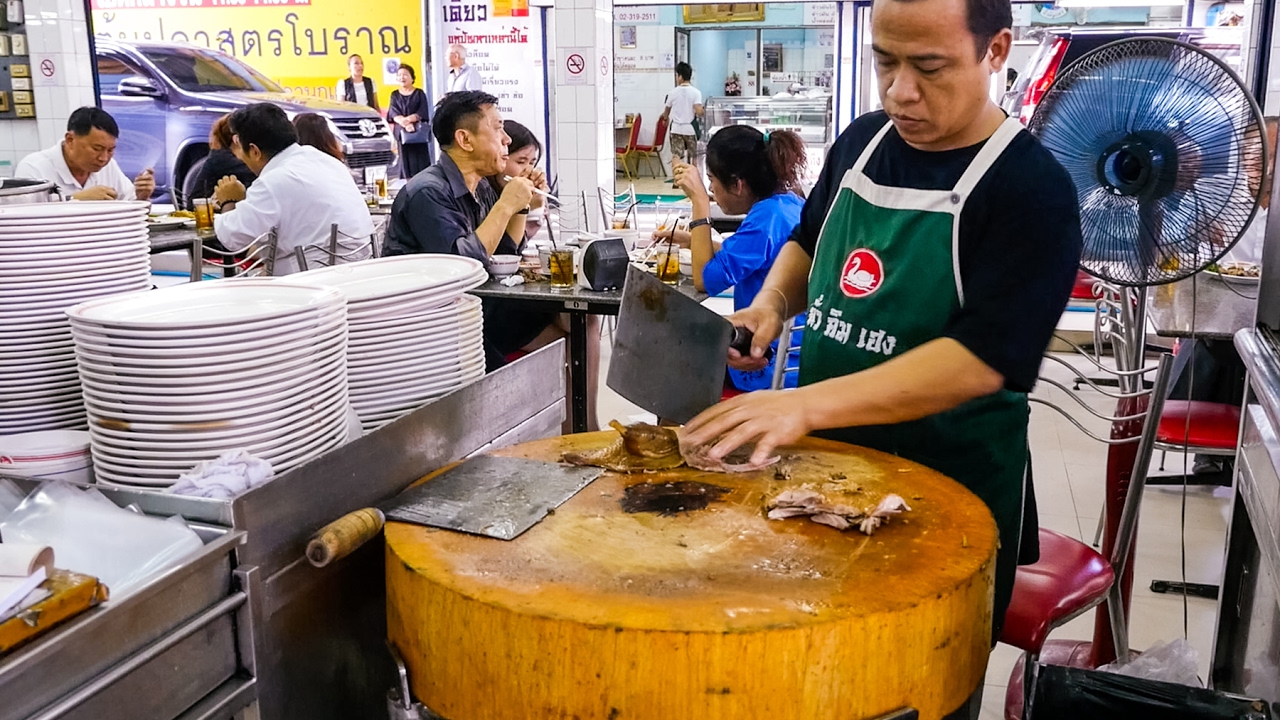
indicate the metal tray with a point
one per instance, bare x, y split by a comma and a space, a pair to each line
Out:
177, 633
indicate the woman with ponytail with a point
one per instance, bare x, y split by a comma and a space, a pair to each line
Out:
753, 174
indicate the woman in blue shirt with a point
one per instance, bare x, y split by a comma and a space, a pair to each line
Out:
751, 174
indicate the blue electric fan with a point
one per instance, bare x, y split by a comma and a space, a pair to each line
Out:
1166, 148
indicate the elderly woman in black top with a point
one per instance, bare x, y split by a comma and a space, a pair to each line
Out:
410, 111
220, 163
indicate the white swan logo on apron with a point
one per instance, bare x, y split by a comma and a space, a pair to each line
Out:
862, 274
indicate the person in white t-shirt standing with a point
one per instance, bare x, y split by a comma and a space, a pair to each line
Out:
683, 105
357, 88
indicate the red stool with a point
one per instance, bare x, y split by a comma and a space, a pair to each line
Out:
1205, 428
1069, 580
1083, 289
730, 392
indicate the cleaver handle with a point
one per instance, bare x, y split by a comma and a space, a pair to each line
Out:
742, 342
344, 536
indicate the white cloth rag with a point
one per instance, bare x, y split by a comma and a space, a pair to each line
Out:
230, 475
512, 280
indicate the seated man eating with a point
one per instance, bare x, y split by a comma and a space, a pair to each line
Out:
300, 191
83, 165
451, 208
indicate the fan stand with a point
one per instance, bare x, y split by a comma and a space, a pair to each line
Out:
1121, 319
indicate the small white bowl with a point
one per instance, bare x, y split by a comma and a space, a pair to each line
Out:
45, 446
504, 265
686, 269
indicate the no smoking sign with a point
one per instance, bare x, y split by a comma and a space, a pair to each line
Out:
574, 69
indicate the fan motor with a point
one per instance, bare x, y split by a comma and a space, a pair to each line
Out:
1144, 164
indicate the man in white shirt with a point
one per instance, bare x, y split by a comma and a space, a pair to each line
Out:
683, 105
83, 164
357, 88
461, 75
300, 191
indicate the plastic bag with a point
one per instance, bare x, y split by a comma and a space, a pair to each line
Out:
1171, 662
10, 498
1063, 693
91, 535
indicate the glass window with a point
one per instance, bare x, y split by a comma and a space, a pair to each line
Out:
197, 70
111, 70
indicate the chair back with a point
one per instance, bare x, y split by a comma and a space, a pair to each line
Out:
334, 252
635, 134
660, 134
258, 259
788, 360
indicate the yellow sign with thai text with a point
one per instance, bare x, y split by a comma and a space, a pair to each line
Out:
301, 45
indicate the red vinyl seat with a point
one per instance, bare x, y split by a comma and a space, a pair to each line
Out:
1213, 426
1083, 289
1070, 579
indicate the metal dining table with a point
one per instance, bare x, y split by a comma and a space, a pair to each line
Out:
182, 238
1203, 307
577, 302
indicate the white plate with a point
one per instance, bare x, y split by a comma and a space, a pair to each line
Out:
184, 341
299, 397
18, 395
85, 243
79, 286
360, 365
36, 426
189, 352
167, 222
53, 351
220, 398
147, 337
228, 357
421, 339
460, 307
405, 306
273, 450
376, 402
46, 305
281, 376
204, 304
142, 371
132, 218
21, 279
392, 276
318, 427
12, 403
199, 421
1235, 279
29, 421
19, 265
73, 209
116, 435
184, 459
415, 323
193, 384
402, 375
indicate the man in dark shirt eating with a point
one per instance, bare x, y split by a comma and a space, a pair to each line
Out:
932, 262
448, 208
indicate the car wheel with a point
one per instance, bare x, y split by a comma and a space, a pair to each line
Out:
188, 183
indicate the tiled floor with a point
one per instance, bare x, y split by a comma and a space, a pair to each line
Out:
1069, 476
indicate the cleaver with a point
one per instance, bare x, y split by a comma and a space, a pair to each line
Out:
669, 352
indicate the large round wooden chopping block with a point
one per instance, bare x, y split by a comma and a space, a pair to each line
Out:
713, 614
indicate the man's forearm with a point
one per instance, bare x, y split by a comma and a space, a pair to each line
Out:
495, 226
515, 228
933, 378
788, 280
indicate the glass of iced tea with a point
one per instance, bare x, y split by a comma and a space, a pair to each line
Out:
204, 217
669, 265
562, 268
381, 185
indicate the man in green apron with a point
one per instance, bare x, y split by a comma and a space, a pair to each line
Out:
933, 260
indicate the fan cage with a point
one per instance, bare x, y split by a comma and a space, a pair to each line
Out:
1167, 151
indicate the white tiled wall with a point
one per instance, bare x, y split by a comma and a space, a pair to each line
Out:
583, 114
58, 31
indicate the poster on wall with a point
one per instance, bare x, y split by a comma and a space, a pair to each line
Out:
503, 40
301, 44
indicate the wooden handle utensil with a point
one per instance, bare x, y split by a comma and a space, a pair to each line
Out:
344, 536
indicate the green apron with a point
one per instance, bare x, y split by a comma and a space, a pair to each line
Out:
885, 279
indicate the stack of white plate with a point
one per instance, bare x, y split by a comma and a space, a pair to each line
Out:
52, 256
415, 334
180, 375
47, 454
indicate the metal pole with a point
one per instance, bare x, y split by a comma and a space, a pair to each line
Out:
1121, 550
